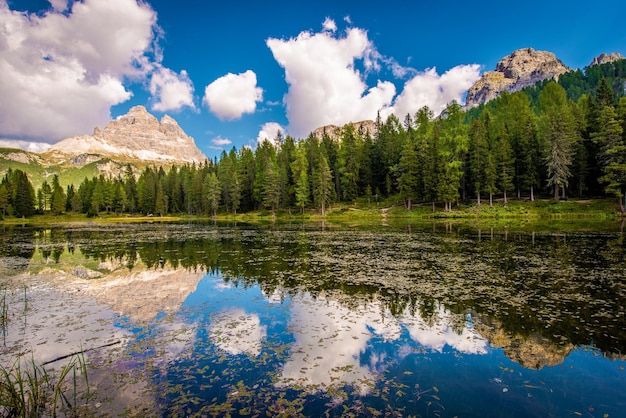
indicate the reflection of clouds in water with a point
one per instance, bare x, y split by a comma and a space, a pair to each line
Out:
174, 339
222, 285
238, 332
330, 339
277, 296
437, 332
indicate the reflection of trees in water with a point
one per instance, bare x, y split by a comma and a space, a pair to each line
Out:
16, 249
565, 288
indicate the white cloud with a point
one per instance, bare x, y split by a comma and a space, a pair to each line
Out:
232, 95
58, 5
64, 71
329, 25
220, 142
347, 19
171, 91
25, 145
269, 131
434, 90
324, 86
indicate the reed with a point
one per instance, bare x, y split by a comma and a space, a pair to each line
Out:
27, 389
4, 313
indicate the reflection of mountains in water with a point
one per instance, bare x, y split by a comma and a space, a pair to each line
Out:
138, 293
535, 295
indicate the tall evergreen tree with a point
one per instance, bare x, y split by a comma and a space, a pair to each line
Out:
322, 184
505, 162
558, 129
272, 189
212, 191
478, 154
58, 197
408, 174
23, 194
300, 168
613, 154
348, 163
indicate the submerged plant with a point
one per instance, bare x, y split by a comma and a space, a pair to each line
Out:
27, 389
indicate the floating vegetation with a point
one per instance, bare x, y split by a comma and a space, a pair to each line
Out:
440, 320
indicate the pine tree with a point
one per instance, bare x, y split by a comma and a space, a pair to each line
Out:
300, 168
558, 129
23, 194
46, 191
212, 191
478, 152
409, 171
348, 164
4, 199
613, 153
505, 162
272, 187
322, 184
58, 197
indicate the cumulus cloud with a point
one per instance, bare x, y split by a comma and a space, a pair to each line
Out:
25, 145
171, 91
324, 85
58, 5
329, 25
434, 90
269, 131
232, 95
65, 68
220, 142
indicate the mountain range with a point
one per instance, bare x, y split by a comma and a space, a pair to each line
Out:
139, 139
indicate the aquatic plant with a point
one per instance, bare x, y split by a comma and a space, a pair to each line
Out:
27, 389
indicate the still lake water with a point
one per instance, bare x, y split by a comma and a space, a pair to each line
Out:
432, 320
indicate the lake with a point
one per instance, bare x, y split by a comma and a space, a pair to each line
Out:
430, 320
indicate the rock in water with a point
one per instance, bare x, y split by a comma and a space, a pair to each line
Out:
137, 135
522, 68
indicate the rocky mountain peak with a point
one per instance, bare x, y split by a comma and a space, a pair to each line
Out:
334, 131
604, 58
135, 135
520, 69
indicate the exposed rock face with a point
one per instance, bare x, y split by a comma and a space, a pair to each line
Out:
136, 135
19, 156
522, 68
334, 132
604, 58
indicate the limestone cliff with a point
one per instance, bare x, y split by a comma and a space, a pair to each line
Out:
334, 131
137, 135
605, 58
520, 69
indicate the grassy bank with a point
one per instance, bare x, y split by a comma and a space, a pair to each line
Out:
363, 211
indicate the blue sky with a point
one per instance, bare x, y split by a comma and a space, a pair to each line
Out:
230, 72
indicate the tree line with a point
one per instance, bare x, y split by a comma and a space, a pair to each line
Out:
544, 140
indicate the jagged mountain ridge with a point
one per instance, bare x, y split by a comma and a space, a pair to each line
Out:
522, 68
137, 135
